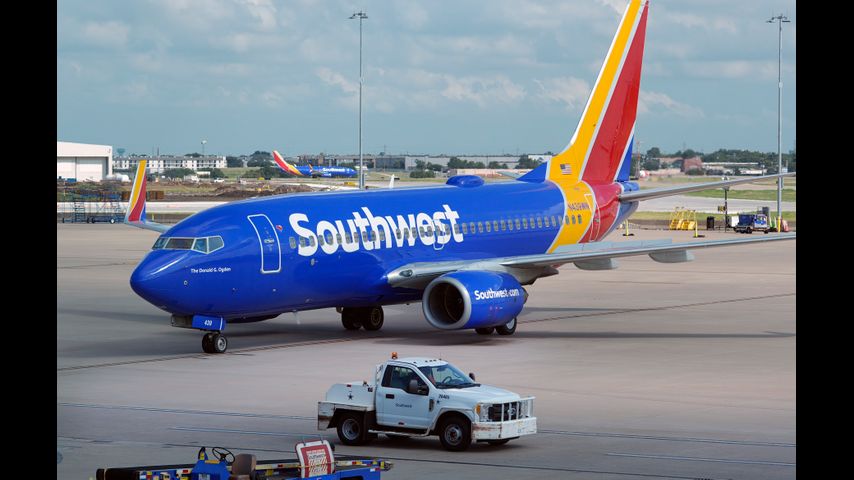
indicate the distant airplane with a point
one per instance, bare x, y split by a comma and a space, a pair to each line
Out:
464, 249
309, 171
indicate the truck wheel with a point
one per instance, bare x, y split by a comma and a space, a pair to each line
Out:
373, 318
749, 230
498, 442
455, 433
508, 328
485, 331
351, 429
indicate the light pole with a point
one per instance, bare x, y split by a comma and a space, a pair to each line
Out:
780, 19
361, 16
203, 147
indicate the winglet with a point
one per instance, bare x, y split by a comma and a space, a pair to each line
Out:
136, 203
287, 167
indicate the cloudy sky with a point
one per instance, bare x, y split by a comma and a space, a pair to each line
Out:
498, 76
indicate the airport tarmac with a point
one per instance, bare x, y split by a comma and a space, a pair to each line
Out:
648, 371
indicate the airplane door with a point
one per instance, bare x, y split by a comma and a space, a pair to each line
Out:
437, 234
595, 222
271, 258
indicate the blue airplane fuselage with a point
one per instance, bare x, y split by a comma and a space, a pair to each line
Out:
264, 268
327, 172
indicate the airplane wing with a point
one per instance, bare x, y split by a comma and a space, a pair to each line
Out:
135, 215
586, 256
637, 195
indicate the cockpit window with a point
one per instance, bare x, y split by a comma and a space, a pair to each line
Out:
201, 244
214, 243
179, 244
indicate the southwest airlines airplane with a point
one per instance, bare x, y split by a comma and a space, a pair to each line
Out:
309, 171
464, 249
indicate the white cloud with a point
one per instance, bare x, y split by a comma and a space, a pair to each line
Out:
337, 80
736, 69
264, 11
619, 6
705, 22
482, 90
571, 91
106, 34
411, 13
649, 102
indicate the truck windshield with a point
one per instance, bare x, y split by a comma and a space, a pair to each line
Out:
447, 376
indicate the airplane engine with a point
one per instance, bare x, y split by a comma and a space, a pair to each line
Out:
472, 299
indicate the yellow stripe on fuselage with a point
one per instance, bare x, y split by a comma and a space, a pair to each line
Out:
578, 200
577, 151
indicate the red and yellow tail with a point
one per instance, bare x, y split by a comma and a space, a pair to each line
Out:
136, 204
600, 149
287, 167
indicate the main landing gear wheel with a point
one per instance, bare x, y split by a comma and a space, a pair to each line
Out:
485, 331
508, 328
214, 343
350, 318
372, 318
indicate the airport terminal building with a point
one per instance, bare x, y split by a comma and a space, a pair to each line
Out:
83, 161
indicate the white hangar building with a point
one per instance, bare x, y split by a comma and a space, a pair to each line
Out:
83, 161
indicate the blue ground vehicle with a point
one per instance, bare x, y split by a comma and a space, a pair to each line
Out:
752, 222
315, 462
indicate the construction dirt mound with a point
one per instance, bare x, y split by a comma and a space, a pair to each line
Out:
232, 191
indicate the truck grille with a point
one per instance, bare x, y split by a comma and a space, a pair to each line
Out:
502, 412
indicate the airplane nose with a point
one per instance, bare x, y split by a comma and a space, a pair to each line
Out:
154, 278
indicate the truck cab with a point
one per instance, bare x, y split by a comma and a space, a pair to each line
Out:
422, 396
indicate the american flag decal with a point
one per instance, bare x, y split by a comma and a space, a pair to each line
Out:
566, 169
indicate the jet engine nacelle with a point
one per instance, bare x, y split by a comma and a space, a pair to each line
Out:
472, 299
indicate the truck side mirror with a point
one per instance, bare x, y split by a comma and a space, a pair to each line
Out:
471, 376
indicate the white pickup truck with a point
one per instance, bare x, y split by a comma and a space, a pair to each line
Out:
425, 396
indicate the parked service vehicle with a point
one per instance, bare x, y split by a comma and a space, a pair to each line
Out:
418, 397
752, 222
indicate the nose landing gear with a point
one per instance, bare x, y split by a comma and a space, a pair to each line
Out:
214, 342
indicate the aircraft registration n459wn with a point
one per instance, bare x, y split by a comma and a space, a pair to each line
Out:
465, 249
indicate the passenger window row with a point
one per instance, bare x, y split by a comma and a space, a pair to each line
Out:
441, 229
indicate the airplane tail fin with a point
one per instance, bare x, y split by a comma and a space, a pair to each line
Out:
285, 166
601, 148
136, 203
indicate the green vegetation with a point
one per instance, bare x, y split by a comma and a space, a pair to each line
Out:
178, 172
422, 174
526, 162
769, 195
233, 162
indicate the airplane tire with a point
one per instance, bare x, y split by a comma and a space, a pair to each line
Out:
207, 343
373, 318
508, 328
350, 319
219, 343
485, 331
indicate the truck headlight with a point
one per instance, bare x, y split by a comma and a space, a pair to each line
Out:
481, 412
